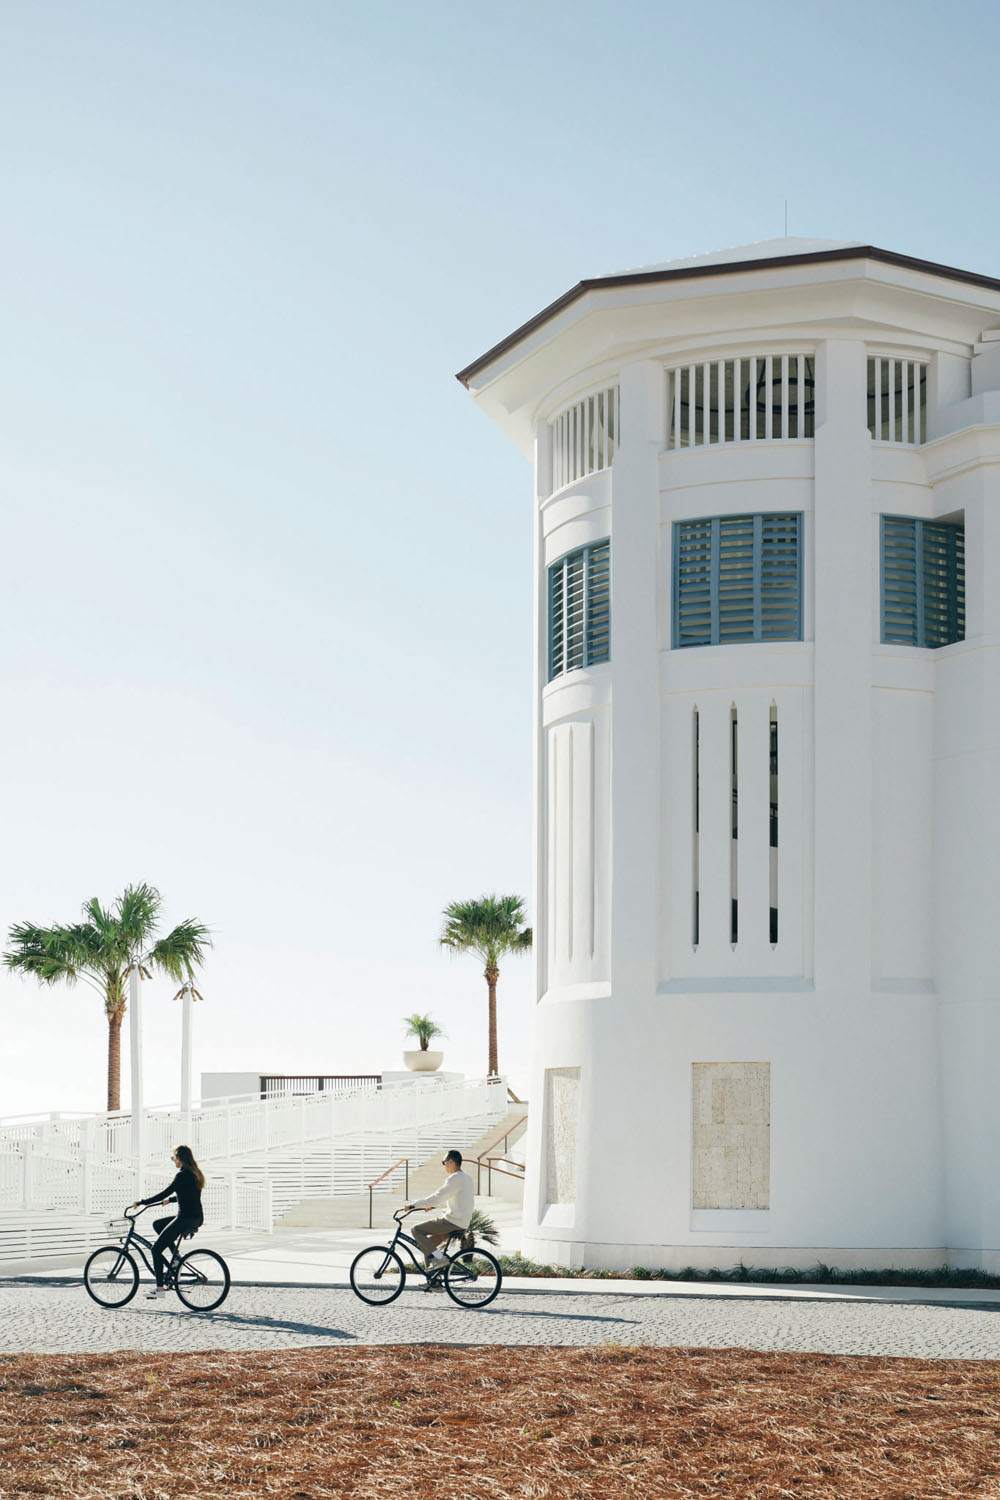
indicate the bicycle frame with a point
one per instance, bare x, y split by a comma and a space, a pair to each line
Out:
134, 1241
413, 1250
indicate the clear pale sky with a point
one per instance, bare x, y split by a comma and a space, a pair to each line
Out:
267, 576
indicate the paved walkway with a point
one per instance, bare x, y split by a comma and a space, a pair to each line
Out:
290, 1289
59, 1317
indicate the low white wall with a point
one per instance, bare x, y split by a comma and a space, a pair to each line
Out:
222, 1085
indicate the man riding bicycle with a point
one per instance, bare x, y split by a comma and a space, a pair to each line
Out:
457, 1195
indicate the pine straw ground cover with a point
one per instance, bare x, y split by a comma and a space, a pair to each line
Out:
479, 1423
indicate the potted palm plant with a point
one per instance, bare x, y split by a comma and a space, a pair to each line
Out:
421, 1059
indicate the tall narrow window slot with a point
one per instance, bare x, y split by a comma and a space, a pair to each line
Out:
774, 824
694, 839
734, 905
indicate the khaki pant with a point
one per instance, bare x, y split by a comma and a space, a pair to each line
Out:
428, 1236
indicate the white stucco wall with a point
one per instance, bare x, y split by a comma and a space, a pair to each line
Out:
877, 1012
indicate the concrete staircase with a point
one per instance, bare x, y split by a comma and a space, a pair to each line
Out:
351, 1210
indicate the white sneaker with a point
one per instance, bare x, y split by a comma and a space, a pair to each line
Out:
158, 1291
437, 1259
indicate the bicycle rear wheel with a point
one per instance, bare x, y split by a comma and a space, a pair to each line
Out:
377, 1275
111, 1276
472, 1278
202, 1280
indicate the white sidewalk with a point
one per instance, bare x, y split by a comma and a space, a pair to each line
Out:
322, 1258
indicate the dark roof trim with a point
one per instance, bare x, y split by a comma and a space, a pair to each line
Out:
719, 268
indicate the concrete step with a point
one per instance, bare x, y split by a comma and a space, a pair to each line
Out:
430, 1174
351, 1212
347, 1210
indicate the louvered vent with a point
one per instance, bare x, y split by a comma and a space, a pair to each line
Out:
923, 582
580, 609
737, 578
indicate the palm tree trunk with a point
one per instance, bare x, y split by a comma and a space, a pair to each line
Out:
115, 1058
492, 975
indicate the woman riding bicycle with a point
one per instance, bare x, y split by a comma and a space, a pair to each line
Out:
186, 1190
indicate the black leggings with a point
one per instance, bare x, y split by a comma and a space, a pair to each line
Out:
170, 1231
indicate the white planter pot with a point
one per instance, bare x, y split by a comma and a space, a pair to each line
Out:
423, 1062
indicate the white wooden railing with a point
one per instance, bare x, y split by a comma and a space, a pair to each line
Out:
897, 400
242, 1123
254, 1152
585, 436
756, 398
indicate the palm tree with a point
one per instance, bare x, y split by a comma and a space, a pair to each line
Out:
423, 1028
490, 928
103, 949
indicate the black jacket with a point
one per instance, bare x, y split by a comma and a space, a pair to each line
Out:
187, 1192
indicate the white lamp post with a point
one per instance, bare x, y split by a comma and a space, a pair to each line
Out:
135, 1040
187, 994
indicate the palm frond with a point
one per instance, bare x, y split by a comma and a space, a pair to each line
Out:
50, 954
489, 927
484, 1228
137, 910
182, 950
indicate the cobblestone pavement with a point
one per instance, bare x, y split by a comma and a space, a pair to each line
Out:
61, 1318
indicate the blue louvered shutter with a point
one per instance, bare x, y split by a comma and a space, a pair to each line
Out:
693, 593
557, 619
780, 573
736, 580
900, 619
943, 566
580, 609
923, 582
574, 589
598, 603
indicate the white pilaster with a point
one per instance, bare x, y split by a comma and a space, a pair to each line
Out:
845, 534
635, 766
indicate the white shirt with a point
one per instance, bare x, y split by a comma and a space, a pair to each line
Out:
457, 1194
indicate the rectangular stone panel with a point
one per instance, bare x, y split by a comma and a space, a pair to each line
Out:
731, 1135
562, 1117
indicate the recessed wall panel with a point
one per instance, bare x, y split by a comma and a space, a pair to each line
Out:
731, 1135
562, 1120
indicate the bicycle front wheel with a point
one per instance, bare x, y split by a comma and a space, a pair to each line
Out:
472, 1278
111, 1276
377, 1275
202, 1280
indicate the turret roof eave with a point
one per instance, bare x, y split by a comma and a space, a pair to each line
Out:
713, 267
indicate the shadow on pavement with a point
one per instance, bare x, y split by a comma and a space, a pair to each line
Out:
263, 1323
511, 1312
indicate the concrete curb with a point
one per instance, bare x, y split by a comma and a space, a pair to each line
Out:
981, 1298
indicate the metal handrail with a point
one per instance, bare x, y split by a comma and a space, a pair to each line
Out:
486, 1151
403, 1160
491, 1167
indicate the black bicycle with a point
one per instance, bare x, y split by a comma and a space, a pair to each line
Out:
471, 1276
200, 1278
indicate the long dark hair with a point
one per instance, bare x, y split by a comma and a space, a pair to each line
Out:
185, 1156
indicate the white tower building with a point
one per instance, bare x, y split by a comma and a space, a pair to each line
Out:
767, 759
